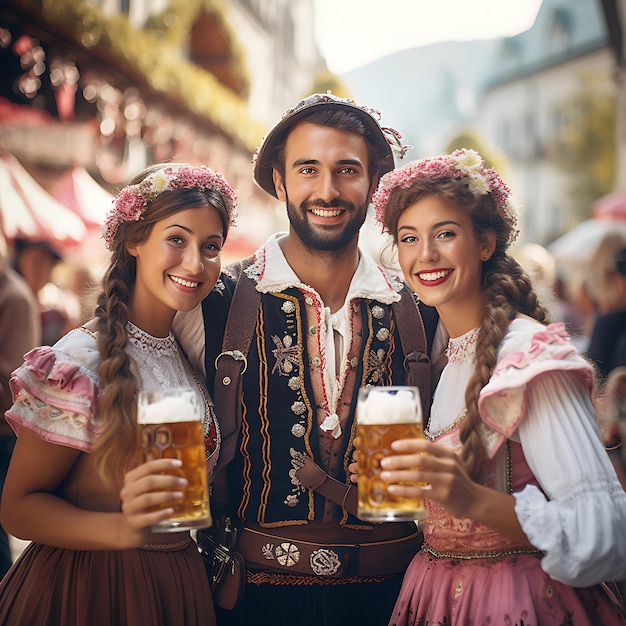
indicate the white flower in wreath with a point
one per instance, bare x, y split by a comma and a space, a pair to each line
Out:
478, 185
469, 161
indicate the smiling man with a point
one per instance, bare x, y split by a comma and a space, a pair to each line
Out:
325, 322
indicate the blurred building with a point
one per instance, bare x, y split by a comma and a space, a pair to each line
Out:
283, 57
562, 62
615, 17
112, 85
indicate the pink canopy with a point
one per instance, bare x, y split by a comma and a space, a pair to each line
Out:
610, 207
575, 248
77, 190
28, 211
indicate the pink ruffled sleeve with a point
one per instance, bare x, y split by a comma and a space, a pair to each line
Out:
55, 395
502, 402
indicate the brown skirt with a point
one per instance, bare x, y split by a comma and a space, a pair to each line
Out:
164, 586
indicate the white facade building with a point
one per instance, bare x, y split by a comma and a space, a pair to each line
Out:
539, 74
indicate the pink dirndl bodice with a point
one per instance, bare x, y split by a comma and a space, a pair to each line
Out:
467, 574
464, 538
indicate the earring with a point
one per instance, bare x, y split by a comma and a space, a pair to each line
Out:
485, 258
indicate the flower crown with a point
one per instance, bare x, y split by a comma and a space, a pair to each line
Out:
463, 165
131, 202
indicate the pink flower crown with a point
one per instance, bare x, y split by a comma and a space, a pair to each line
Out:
131, 202
463, 165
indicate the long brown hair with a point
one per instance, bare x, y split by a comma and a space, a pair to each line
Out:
117, 442
507, 291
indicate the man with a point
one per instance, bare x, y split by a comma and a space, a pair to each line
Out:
324, 326
20, 331
34, 260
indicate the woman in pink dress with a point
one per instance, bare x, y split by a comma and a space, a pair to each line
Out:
526, 517
74, 488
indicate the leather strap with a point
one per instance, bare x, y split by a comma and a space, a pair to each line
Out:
312, 476
231, 363
414, 347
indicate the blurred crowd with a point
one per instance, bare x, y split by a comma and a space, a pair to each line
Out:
590, 300
42, 297
62, 288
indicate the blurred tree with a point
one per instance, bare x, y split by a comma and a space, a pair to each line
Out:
471, 139
584, 145
325, 80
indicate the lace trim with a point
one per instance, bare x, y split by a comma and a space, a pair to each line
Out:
88, 332
153, 346
157, 359
433, 436
260, 578
463, 347
255, 270
168, 545
477, 554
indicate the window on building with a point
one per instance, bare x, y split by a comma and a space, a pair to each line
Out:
560, 30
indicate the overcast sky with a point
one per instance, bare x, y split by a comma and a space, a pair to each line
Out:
352, 33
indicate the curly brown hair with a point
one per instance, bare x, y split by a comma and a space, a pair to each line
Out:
117, 443
507, 291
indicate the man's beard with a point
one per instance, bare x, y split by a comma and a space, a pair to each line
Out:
328, 238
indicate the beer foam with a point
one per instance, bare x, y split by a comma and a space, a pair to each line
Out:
389, 407
168, 410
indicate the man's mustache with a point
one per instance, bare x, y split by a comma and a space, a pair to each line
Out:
333, 204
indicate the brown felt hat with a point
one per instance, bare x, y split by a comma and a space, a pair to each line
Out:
384, 140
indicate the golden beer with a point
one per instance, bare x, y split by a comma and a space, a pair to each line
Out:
385, 414
170, 427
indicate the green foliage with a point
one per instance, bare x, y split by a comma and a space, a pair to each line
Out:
585, 145
153, 53
471, 139
172, 26
325, 81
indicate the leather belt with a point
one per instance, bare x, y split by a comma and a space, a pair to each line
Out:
266, 552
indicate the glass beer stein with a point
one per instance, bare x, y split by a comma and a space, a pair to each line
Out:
385, 414
170, 423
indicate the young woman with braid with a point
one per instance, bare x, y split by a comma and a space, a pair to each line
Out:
74, 487
525, 514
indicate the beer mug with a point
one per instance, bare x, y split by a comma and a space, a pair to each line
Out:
170, 423
385, 414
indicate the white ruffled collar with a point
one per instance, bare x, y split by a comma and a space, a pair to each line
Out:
272, 273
